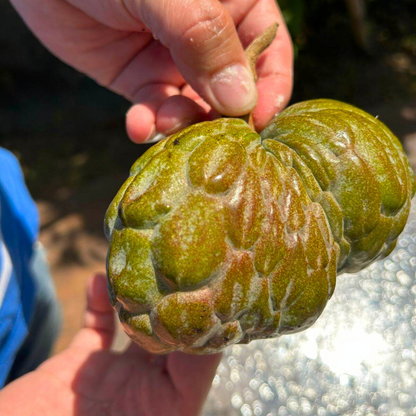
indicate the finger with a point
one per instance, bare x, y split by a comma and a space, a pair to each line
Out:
192, 376
152, 65
178, 112
238, 9
275, 66
142, 116
99, 324
189, 92
141, 354
113, 14
203, 41
79, 40
140, 122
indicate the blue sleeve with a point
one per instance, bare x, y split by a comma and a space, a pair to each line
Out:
19, 224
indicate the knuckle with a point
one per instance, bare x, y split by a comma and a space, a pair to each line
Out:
204, 25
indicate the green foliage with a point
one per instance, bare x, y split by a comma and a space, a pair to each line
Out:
293, 12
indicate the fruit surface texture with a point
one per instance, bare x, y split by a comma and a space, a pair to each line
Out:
221, 235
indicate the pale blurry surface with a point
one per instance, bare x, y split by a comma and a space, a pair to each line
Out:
358, 359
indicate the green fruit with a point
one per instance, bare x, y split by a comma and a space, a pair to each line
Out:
221, 235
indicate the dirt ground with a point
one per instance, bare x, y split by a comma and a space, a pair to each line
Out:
68, 133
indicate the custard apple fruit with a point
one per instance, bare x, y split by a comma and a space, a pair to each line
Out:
221, 235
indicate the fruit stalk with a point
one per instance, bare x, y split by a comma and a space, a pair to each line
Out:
253, 52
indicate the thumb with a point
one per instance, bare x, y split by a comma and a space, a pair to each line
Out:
99, 325
204, 44
192, 376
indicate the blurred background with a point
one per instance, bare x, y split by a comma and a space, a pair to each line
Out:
68, 132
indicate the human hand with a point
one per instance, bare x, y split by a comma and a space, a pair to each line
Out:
198, 54
89, 379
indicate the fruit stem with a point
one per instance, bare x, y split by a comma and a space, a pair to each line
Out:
253, 52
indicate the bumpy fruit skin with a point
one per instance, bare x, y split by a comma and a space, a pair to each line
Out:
221, 235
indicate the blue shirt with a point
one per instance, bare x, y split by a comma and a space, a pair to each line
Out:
19, 224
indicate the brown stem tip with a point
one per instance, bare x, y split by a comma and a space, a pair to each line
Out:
258, 45
253, 52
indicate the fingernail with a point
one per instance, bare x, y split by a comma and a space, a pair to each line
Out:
157, 138
235, 89
152, 132
178, 126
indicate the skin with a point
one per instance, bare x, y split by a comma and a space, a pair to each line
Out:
114, 42
90, 379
